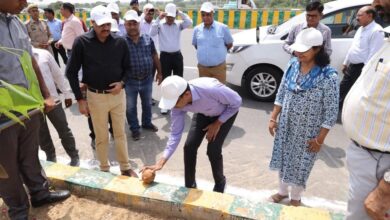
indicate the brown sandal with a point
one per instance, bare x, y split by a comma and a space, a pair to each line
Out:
277, 198
295, 203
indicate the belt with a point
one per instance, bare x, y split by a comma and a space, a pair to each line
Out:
212, 66
140, 77
369, 149
98, 91
172, 53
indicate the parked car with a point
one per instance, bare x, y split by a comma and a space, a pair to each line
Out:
257, 60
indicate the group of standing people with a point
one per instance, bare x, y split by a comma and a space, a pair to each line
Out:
117, 67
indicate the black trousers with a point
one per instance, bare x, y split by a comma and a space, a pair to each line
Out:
58, 118
171, 62
350, 77
214, 149
19, 157
60, 51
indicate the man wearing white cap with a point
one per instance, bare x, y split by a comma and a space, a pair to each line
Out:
104, 58
146, 22
212, 40
215, 106
115, 13
143, 57
169, 31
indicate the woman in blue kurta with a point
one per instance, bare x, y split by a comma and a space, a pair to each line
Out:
307, 107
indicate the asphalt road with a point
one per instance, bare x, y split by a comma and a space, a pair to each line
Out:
247, 150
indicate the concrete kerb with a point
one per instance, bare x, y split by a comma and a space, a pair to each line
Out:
172, 200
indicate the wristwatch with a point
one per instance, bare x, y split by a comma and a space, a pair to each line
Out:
386, 177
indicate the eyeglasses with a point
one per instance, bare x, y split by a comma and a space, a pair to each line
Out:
312, 15
206, 14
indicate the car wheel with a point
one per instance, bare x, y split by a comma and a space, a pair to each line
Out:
262, 83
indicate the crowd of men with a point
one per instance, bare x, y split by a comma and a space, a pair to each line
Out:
119, 58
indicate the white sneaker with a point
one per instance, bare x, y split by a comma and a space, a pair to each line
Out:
164, 111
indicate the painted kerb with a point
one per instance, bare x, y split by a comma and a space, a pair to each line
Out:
173, 200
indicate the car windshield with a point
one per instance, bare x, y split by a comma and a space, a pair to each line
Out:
288, 24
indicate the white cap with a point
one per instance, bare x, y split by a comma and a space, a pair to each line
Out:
114, 26
148, 6
113, 7
131, 15
170, 9
171, 89
101, 15
307, 39
207, 7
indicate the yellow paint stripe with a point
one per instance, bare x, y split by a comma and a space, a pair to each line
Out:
199, 20
299, 12
264, 18
191, 14
28, 17
231, 19
275, 19
220, 15
254, 19
242, 19
303, 213
84, 16
287, 15
338, 18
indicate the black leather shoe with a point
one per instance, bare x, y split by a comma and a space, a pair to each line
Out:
74, 162
54, 196
136, 135
150, 127
130, 173
51, 157
220, 187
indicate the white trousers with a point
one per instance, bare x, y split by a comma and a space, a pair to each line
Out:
296, 191
366, 169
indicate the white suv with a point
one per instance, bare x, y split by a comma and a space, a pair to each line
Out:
257, 60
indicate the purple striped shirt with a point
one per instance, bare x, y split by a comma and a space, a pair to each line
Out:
210, 98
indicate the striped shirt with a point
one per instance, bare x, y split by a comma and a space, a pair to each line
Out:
366, 112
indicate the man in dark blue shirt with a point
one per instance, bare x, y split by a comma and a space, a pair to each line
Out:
143, 56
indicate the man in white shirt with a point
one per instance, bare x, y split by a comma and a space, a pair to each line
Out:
169, 31
367, 41
147, 21
115, 14
54, 79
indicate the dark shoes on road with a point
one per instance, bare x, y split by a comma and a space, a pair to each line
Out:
136, 135
54, 196
130, 173
150, 127
74, 161
220, 187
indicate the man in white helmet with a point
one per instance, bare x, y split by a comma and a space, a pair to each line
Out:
215, 106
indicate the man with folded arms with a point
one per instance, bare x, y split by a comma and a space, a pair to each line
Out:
104, 58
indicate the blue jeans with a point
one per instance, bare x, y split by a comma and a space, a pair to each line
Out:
144, 89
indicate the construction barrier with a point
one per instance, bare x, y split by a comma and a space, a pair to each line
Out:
235, 19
